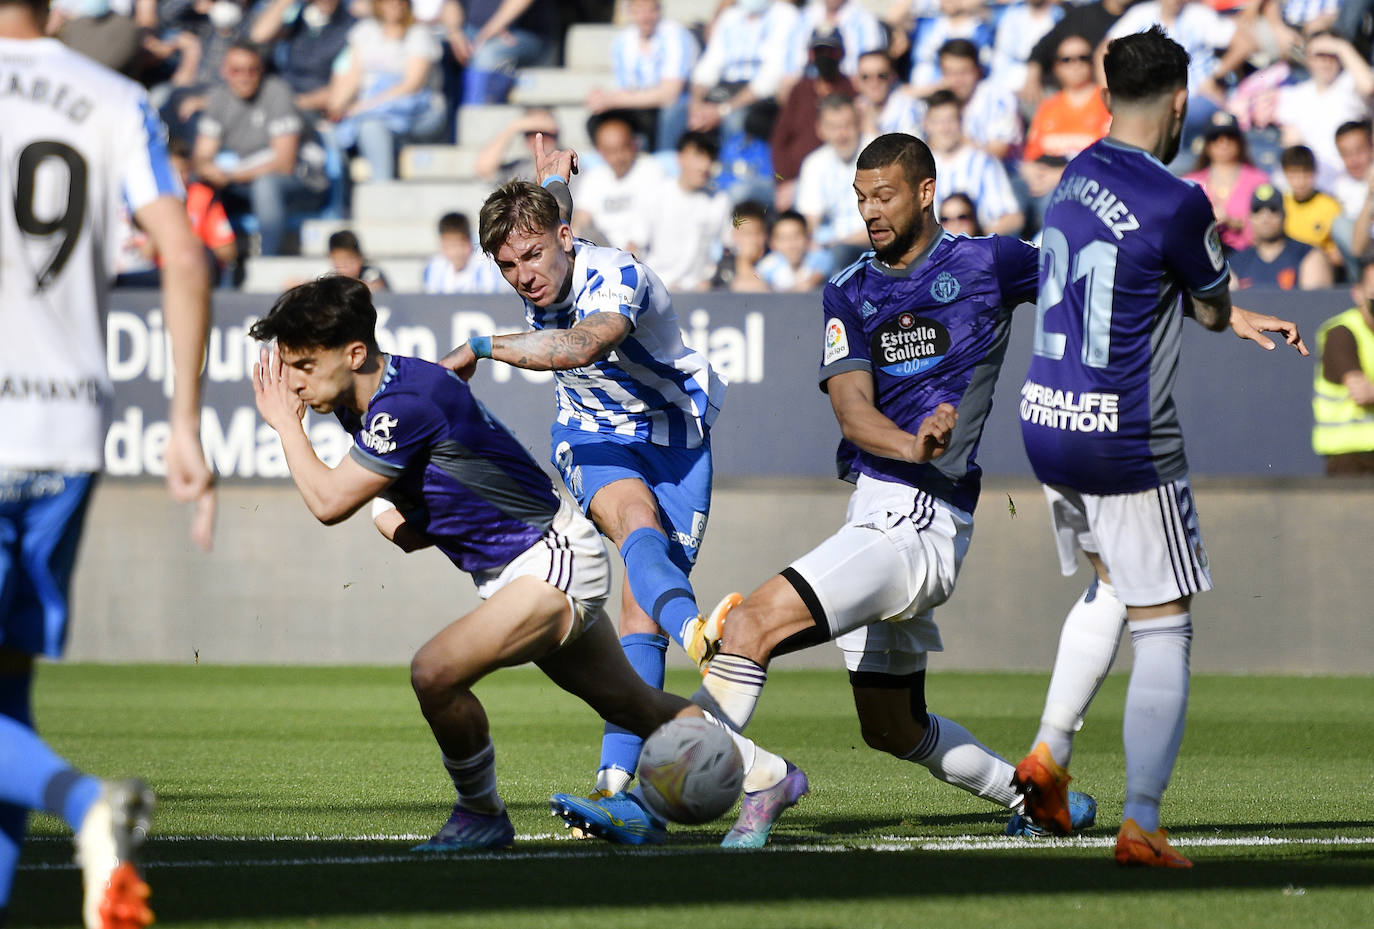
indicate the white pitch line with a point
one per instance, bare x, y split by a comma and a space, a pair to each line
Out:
584, 850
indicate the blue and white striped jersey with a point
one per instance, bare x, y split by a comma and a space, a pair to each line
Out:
859, 30
669, 54
652, 386
974, 172
747, 47
992, 115
1020, 27
479, 276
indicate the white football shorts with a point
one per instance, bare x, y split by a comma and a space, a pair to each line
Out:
1149, 540
572, 557
877, 580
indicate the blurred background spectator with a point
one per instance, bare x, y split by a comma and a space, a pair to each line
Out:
652, 60
825, 187
794, 134
744, 249
490, 39
1343, 390
309, 38
858, 29
990, 115
1227, 177
743, 63
791, 264
1019, 28
688, 219
460, 268
962, 166
347, 259
98, 32
1075, 117
883, 107
1337, 91
492, 165
1273, 261
614, 200
1308, 212
958, 216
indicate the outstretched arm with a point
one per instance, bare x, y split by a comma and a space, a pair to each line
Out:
851, 397
592, 339
1252, 326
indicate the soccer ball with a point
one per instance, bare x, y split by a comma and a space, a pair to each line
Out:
690, 771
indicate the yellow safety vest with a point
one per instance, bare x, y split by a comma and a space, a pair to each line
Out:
1340, 424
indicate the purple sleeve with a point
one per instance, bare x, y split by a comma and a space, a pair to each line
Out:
396, 430
1018, 270
1192, 246
845, 348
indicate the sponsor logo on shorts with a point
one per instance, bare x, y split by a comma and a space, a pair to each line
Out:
836, 341
909, 344
378, 434
692, 542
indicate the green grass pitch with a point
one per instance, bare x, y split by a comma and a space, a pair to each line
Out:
290, 797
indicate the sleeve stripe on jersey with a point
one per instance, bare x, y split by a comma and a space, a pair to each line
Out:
375, 464
1222, 282
166, 181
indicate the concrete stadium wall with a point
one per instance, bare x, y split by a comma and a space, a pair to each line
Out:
1291, 559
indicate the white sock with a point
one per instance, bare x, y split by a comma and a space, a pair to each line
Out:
953, 755
762, 769
1087, 648
475, 780
1156, 703
731, 689
613, 780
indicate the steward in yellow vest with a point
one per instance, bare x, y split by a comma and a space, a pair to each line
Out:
1343, 387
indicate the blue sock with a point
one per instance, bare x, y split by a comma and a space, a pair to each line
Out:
647, 652
660, 587
32, 776
14, 820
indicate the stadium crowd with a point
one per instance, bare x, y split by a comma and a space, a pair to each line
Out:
723, 148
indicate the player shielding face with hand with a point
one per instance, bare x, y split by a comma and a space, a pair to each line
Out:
914, 335
452, 476
78, 144
1128, 250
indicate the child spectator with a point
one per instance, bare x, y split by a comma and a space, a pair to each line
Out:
1309, 213
748, 242
346, 255
459, 268
792, 265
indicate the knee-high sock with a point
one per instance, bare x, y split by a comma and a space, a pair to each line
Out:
660, 586
953, 755
1087, 648
475, 780
647, 653
32, 777
731, 689
1156, 703
762, 769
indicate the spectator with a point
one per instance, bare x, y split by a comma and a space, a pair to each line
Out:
1343, 388
1337, 92
958, 216
1020, 27
792, 265
1227, 177
825, 188
1274, 261
742, 64
97, 32
963, 167
492, 165
744, 249
651, 60
309, 38
1089, 20
254, 148
386, 94
459, 268
925, 35
794, 134
1074, 118
688, 220
1355, 142
859, 31
200, 50
1309, 213
492, 38
882, 107
991, 117
615, 199
346, 256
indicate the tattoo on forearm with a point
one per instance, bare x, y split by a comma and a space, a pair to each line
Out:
562, 349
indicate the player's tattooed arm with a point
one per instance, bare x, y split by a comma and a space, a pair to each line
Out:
861, 422
592, 339
1212, 313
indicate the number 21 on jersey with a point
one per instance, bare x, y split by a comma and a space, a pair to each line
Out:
1095, 262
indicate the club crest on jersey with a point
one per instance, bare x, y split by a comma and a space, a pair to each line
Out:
909, 344
836, 341
378, 434
945, 288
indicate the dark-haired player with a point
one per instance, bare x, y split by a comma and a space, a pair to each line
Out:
459, 481
915, 332
1123, 240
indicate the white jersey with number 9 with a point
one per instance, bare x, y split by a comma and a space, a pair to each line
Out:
77, 142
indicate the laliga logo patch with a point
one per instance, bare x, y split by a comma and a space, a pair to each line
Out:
909, 345
378, 434
836, 341
1212, 241
945, 288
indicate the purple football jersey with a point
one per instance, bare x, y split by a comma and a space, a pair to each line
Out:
934, 332
1123, 238
461, 477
